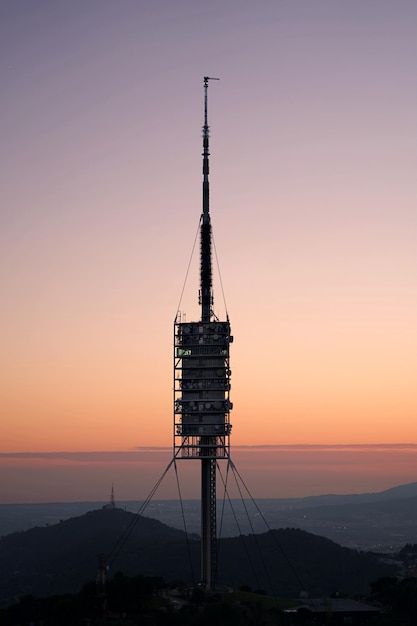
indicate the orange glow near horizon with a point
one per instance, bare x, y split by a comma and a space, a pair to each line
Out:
267, 471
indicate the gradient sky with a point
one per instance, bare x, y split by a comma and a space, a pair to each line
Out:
313, 202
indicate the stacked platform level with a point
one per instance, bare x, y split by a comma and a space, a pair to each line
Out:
201, 389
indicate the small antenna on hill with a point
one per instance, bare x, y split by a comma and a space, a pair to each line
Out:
112, 503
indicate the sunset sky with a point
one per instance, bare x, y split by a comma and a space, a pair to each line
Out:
313, 202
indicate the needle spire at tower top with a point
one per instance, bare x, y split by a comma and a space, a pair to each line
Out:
206, 293
206, 80
206, 152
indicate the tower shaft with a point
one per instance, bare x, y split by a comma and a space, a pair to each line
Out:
208, 464
202, 383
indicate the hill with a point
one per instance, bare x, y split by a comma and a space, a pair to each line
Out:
61, 558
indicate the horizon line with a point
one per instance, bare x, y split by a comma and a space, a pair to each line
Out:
243, 447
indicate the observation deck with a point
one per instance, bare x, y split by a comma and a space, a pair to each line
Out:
201, 389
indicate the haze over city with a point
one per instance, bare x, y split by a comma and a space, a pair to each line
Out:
313, 205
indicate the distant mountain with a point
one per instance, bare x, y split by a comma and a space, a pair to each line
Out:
383, 521
62, 557
400, 492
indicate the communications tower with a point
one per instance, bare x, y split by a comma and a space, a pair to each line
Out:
202, 383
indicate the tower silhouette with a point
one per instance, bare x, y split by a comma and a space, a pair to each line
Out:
202, 382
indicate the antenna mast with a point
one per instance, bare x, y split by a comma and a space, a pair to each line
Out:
206, 293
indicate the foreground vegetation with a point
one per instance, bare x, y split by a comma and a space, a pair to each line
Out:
149, 601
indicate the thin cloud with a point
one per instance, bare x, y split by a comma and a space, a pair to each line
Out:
112, 456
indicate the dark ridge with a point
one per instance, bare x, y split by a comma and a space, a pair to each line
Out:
61, 558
